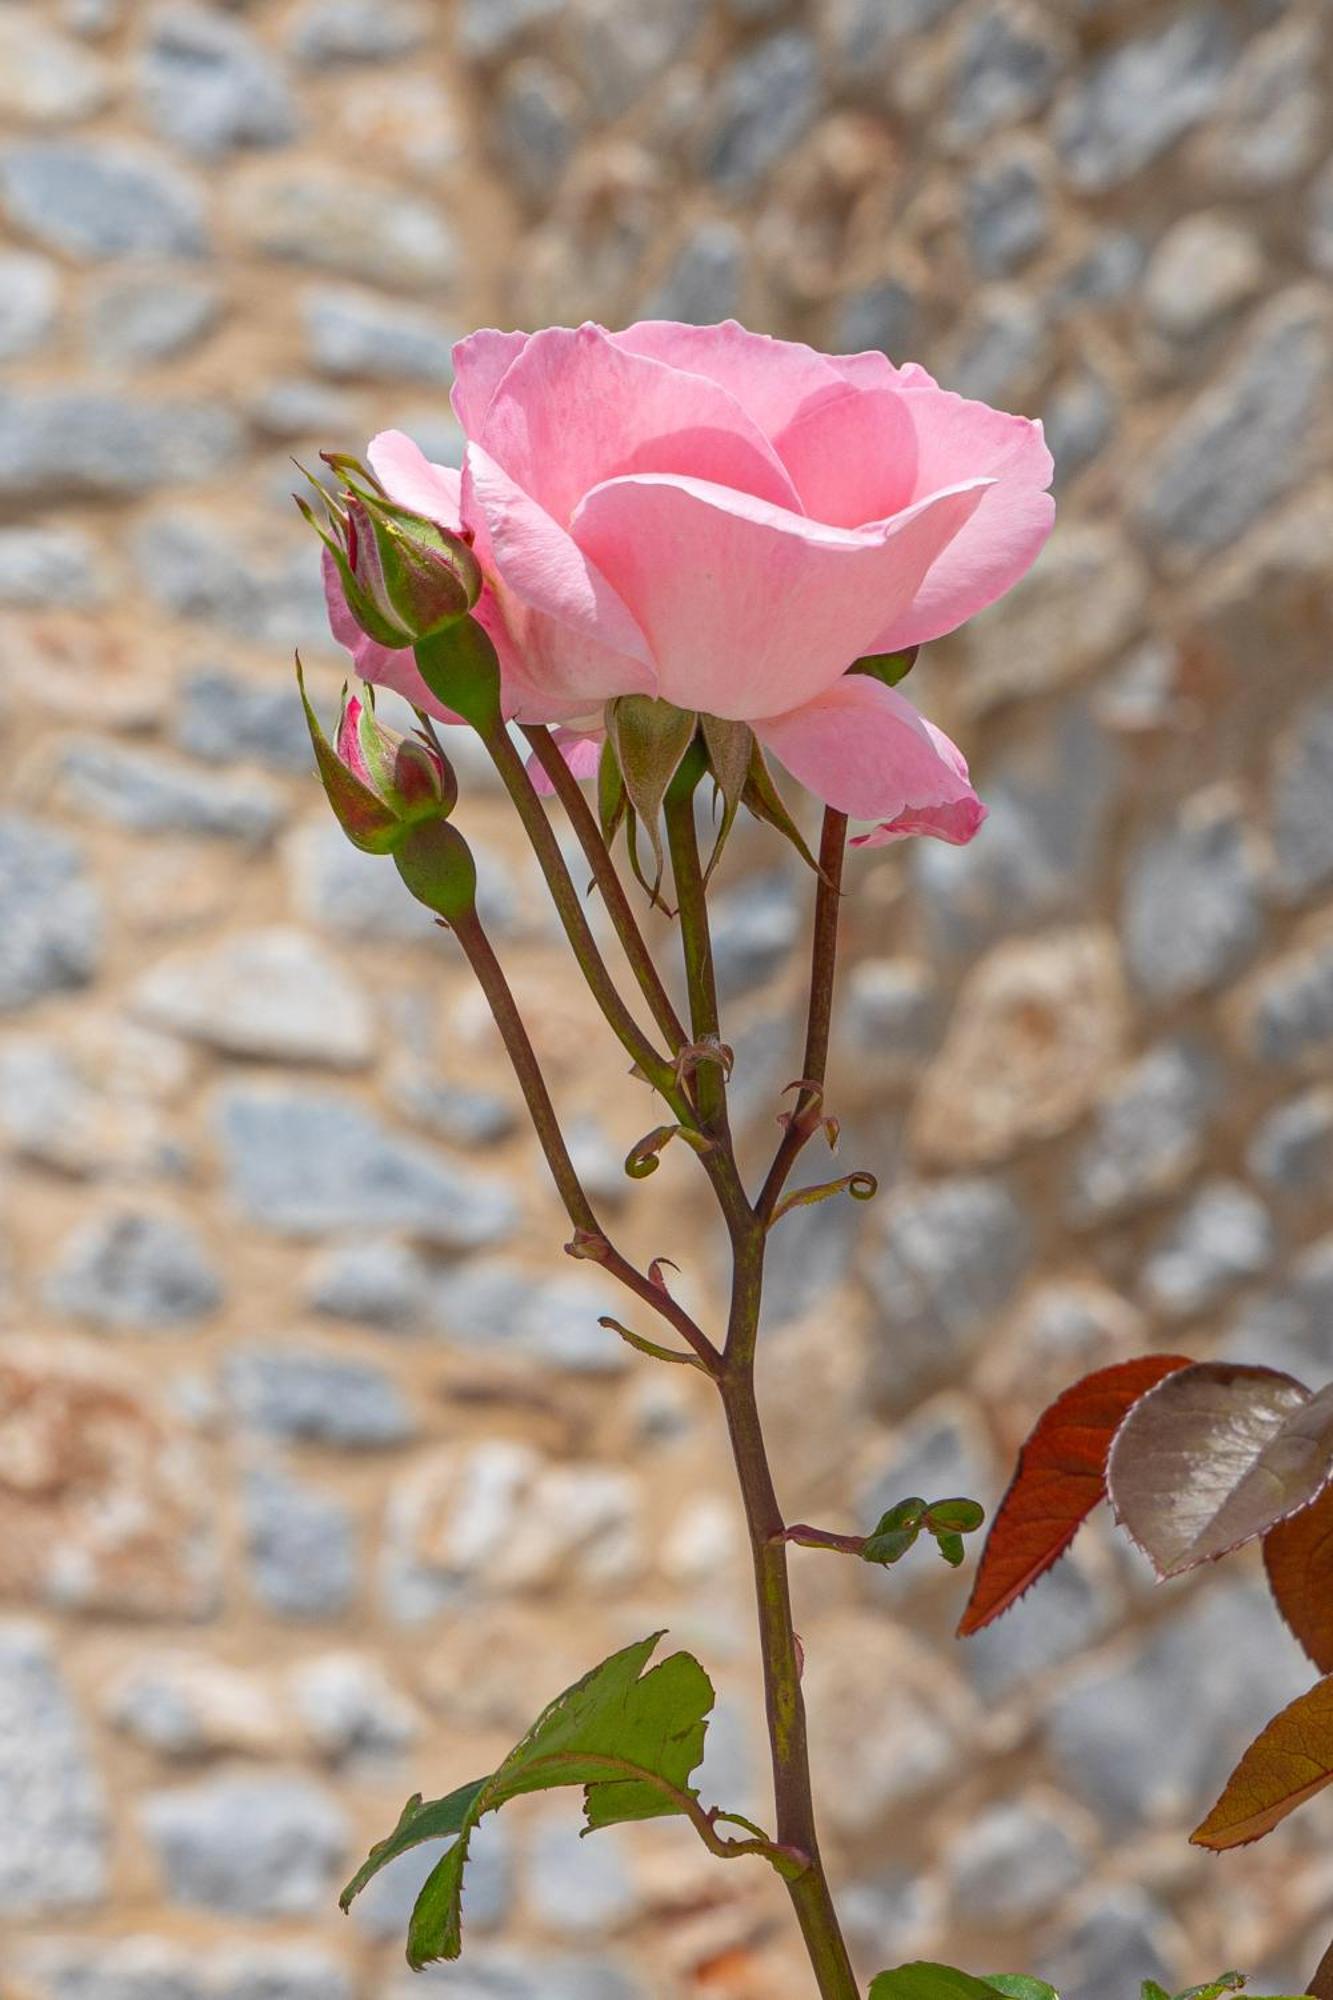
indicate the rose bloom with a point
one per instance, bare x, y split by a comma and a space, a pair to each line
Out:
728, 522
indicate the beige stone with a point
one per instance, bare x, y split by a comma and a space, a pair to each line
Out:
1037, 1024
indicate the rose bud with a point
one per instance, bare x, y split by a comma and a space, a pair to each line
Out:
380, 784
404, 578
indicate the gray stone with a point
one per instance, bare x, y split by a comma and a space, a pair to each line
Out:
703, 282
334, 219
275, 596
1000, 352
451, 1108
310, 1162
226, 719
316, 1396
352, 1710
1204, 268
891, 1014
52, 1811
147, 791
941, 1454
754, 929
510, 1975
1301, 790
208, 84
618, 48
1140, 98
1292, 1327
29, 297
330, 32
136, 1968
949, 1256
575, 1885
374, 1282
1292, 1150
1247, 439
301, 1545
273, 993
1268, 127
496, 1305
294, 407
540, 117
1055, 1623
1109, 271
1014, 1863
1079, 417
351, 333
185, 1705
1009, 65
45, 79
1006, 206
809, 1256
1117, 1943
136, 320
764, 104
50, 914
61, 444
488, 28
248, 1846
279, 1972
357, 895
1222, 1235
1146, 1135
134, 1271
862, 34
1153, 1739
384, 1907
1321, 221
1190, 914
1288, 1017
883, 316
40, 567
111, 199
1049, 802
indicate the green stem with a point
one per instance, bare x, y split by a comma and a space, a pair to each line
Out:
591, 1239
619, 909
784, 1702
804, 1119
659, 1071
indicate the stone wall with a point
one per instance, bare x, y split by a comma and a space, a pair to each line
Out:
316, 1474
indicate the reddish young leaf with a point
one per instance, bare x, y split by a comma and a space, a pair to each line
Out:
1214, 1456
1060, 1478
1321, 1986
1298, 1555
1287, 1763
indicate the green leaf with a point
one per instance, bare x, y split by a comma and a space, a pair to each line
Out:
1225, 1982
955, 1517
1152, 1991
651, 739
428, 1819
924, 1981
952, 1549
1019, 1986
631, 1739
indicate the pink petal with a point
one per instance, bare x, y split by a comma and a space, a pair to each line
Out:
852, 453
751, 610
575, 643
864, 749
575, 410
957, 439
412, 480
581, 750
770, 379
480, 363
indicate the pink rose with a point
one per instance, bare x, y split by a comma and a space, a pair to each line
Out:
727, 521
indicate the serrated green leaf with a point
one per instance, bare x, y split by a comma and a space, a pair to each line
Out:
1018, 1986
420, 1820
631, 1739
1225, 1982
922, 1980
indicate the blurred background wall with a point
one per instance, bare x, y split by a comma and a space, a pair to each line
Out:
317, 1475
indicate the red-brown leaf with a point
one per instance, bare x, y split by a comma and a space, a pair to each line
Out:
1213, 1457
1060, 1478
1298, 1555
1321, 1986
1287, 1763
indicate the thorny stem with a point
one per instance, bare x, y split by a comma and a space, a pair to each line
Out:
796, 1852
618, 906
591, 1239
823, 964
